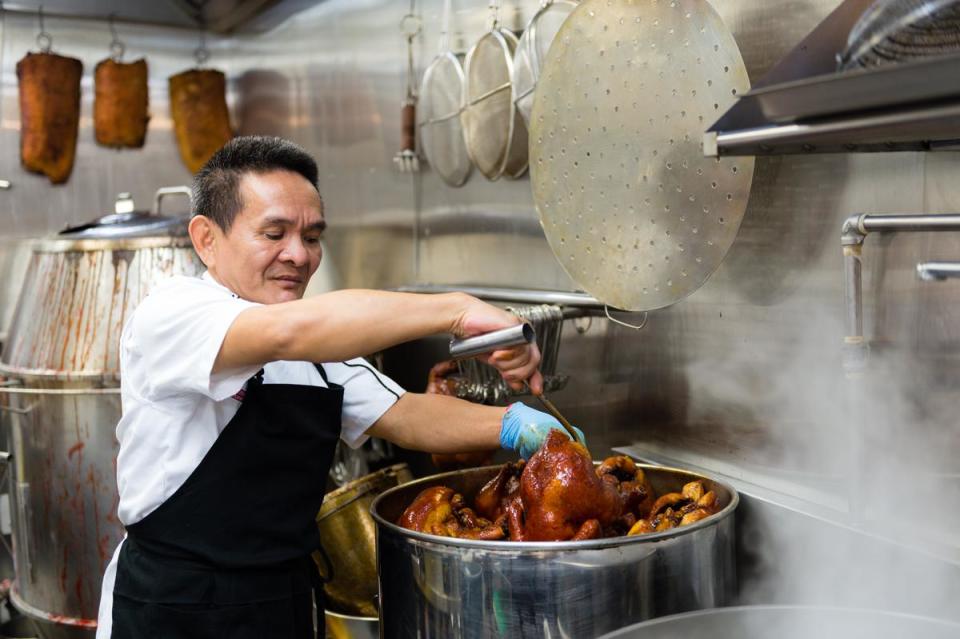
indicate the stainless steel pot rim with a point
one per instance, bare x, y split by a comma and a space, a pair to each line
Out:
534, 546
20, 604
40, 375
125, 244
737, 610
340, 615
360, 488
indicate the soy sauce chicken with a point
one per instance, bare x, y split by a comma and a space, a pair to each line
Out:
559, 495
440, 511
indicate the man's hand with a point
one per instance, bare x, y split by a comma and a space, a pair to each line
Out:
524, 429
517, 364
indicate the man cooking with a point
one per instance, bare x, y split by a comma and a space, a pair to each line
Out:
235, 392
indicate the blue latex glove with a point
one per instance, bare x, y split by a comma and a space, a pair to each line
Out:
524, 429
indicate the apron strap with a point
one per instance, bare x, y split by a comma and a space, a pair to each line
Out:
323, 373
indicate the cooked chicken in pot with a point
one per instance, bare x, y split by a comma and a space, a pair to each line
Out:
560, 495
440, 511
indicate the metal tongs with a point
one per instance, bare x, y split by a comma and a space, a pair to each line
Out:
503, 339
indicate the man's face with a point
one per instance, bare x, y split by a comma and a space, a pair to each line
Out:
273, 247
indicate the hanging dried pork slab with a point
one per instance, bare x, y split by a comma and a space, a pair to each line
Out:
49, 113
120, 106
201, 122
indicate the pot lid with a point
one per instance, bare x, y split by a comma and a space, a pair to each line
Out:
126, 222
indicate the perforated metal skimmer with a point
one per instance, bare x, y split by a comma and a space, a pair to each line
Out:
532, 50
630, 206
495, 134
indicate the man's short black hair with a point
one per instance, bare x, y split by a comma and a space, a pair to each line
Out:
216, 187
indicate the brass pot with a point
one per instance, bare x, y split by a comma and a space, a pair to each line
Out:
349, 538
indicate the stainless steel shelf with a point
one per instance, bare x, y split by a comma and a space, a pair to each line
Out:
516, 295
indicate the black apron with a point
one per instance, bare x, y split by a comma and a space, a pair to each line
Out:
228, 554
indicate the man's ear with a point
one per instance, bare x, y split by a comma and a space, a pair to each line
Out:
203, 234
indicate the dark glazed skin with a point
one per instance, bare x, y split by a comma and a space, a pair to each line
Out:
495, 496
439, 511
562, 496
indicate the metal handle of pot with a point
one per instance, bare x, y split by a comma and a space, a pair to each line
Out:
24, 523
17, 411
493, 341
167, 191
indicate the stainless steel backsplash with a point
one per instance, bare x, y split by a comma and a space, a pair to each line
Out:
742, 377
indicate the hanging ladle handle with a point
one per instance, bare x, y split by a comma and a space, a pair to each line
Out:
462, 348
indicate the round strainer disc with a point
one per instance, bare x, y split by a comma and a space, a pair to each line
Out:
441, 135
495, 134
532, 50
633, 210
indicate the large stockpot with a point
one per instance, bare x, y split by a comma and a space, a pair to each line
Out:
434, 586
61, 404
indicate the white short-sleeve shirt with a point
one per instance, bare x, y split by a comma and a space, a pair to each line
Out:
174, 407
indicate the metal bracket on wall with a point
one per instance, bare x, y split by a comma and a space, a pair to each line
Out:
938, 271
853, 234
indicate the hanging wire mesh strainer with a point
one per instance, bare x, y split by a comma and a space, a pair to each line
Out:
441, 92
532, 50
495, 134
892, 31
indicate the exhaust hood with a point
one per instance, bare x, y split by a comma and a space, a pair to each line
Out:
804, 105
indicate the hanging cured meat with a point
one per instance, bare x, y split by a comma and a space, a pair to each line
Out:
201, 123
120, 106
49, 113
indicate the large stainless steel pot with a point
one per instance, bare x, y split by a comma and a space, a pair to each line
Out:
61, 405
790, 622
440, 587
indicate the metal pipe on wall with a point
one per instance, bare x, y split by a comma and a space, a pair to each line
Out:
852, 236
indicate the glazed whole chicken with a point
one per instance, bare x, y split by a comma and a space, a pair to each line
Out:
559, 495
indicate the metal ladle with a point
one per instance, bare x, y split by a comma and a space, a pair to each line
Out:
503, 339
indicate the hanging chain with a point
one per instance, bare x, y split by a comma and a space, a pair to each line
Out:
44, 39
494, 14
201, 54
410, 26
445, 25
406, 159
117, 47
